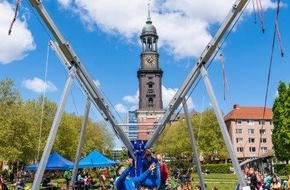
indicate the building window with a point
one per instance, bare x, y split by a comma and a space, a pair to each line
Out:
252, 149
240, 149
250, 122
251, 131
150, 103
263, 149
251, 140
263, 131
239, 122
239, 131
263, 140
271, 131
262, 122
271, 122
239, 140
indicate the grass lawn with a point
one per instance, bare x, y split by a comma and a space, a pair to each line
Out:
221, 181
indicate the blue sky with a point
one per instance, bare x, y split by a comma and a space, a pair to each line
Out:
105, 36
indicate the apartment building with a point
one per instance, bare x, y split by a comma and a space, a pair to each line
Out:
250, 130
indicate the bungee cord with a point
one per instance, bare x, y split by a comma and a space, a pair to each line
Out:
224, 74
276, 32
254, 9
42, 105
15, 16
261, 14
277, 28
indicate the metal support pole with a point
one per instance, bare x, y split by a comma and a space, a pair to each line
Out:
223, 127
208, 52
81, 142
193, 144
53, 131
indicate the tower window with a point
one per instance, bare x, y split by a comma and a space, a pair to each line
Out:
150, 84
150, 102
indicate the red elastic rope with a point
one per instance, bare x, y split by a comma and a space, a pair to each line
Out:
15, 16
277, 29
261, 14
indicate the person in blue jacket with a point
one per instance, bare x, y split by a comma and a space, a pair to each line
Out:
153, 181
125, 182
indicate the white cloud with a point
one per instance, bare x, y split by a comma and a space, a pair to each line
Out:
16, 45
132, 99
120, 108
167, 95
183, 26
64, 3
38, 85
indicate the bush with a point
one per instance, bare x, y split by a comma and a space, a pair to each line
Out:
282, 169
207, 168
216, 168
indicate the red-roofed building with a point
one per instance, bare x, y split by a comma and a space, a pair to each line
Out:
250, 130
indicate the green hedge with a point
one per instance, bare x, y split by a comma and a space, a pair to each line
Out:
216, 168
282, 169
211, 168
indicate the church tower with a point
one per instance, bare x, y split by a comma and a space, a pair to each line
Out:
150, 85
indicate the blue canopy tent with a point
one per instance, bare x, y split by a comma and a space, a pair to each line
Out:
96, 160
55, 162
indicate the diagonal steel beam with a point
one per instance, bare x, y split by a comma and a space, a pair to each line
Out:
69, 58
208, 52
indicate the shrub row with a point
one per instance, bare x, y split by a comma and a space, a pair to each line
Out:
282, 169
207, 168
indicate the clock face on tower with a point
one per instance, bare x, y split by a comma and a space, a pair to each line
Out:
150, 61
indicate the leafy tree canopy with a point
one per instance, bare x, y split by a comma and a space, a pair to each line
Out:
175, 139
25, 126
281, 121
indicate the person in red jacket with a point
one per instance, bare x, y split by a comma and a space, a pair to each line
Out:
163, 172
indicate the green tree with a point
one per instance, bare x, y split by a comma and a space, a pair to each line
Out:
281, 121
10, 136
25, 126
38, 115
124, 154
175, 139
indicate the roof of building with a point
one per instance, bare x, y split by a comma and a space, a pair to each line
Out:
247, 112
177, 116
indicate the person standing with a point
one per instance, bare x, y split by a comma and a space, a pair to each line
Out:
163, 172
153, 181
67, 177
267, 181
125, 182
102, 180
275, 184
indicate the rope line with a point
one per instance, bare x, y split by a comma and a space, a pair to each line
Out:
15, 16
42, 106
254, 9
224, 74
261, 14
277, 29
269, 76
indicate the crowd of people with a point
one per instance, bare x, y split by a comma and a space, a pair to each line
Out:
154, 175
264, 181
